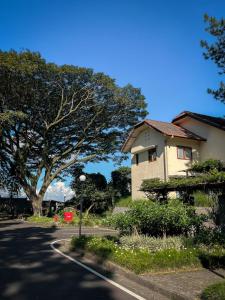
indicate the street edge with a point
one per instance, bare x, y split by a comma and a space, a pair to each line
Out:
112, 267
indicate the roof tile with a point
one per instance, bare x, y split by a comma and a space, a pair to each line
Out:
171, 129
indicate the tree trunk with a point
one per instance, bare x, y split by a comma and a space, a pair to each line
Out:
88, 210
37, 205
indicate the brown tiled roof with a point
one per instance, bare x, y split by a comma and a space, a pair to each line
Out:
213, 121
171, 129
165, 128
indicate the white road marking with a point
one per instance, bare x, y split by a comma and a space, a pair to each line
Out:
93, 271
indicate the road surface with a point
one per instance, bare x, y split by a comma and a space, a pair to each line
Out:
31, 270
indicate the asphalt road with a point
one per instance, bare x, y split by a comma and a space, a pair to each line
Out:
31, 270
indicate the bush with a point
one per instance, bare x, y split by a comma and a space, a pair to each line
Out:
214, 292
151, 244
156, 219
210, 165
210, 237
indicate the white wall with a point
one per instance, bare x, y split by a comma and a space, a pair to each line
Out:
145, 169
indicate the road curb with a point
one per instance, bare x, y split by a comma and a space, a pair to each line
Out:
109, 266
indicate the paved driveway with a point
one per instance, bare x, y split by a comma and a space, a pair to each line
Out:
30, 269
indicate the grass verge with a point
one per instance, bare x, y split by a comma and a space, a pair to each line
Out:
40, 220
214, 292
90, 220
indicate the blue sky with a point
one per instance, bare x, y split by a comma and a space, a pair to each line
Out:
154, 45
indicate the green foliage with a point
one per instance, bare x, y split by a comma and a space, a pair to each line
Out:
121, 181
208, 166
185, 185
180, 183
216, 51
125, 201
7, 176
214, 292
202, 199
151, 244
157, 219
137, 260
88, 220
42, 220
210, 237
141, 260
73, 115
93, 192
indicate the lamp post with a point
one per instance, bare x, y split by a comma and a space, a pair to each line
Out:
82, 179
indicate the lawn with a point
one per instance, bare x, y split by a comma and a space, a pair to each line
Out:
88, 220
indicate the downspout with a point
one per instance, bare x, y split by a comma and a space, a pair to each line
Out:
165, 160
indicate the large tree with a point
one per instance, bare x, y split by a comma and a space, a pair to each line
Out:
72, 115
216, 51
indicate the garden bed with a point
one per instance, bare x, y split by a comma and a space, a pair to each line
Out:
142, 261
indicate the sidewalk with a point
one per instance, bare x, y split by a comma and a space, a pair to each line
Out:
186, 285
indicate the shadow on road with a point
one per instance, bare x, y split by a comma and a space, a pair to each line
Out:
29, 269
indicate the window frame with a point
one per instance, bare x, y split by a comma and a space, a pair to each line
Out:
150, 155
183, 149
137, 159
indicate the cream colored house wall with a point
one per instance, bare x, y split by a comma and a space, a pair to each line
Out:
214, 147
145, 169
175, 165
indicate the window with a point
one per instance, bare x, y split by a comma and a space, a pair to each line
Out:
137, 158
184, 152
152, 154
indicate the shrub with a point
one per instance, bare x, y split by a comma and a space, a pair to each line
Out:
214, 292
151, 244
122, 221
154, 219
210, 237
210, 165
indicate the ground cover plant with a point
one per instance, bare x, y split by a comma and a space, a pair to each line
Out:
137, 260
202, 199
87, 220
214, 292
125, 201
151, 244
41, 220
144, 259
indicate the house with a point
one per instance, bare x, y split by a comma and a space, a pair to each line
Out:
161, 149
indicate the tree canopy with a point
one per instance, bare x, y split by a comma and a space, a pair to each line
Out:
72, 115
216, 51
7, 179
93, 192
121, 181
